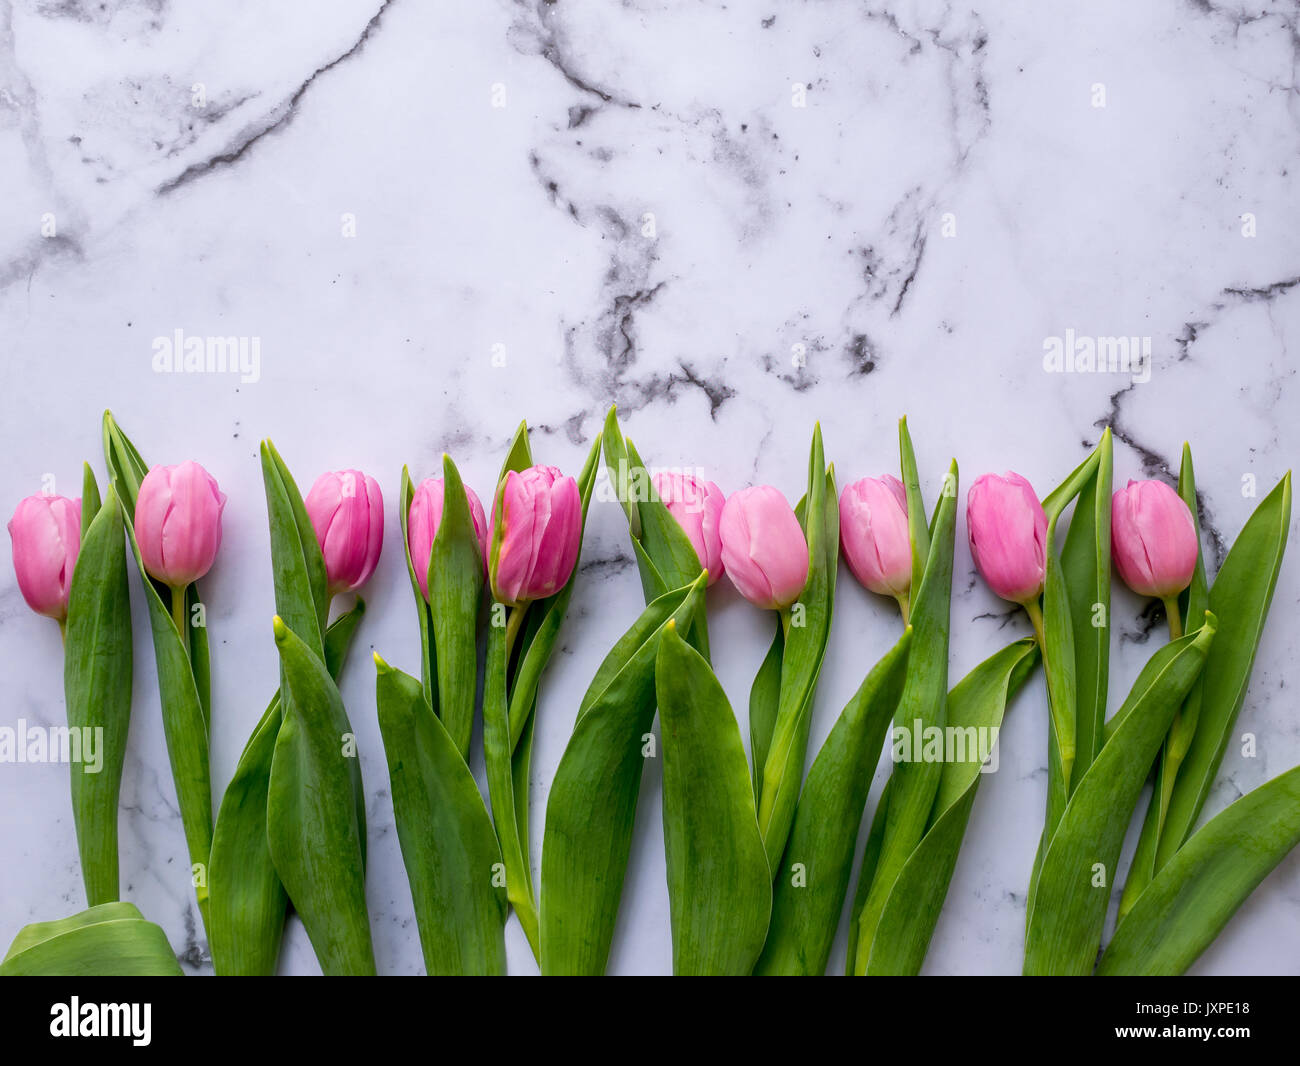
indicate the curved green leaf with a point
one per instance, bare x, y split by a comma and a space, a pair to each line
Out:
1085, 565
922, 705
813, 876
109, 940
976, 703
246, 899
428, 663
592, 804
1194, 895
550, 614
182, 663
448, 844
298, 568
719, 884
1067, 904
312, 830
455, 595
764, 697
1240, 599
801, 659
918, 531
663, 543
498, 751
1195, 602
97, 691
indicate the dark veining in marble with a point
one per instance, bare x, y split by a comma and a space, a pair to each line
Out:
278, 119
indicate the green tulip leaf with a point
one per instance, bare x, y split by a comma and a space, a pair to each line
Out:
1195, 602
976, 706
246, 898
1240, 599
1194, 895
448, 844
108, 940
719, 883
764, 698
813, 877
312, 818
97, 691
536, 653
1067, 903
922, 705
592, 804
181, 657
1085, 566
428, 662
455, 596
801, 659
663, 543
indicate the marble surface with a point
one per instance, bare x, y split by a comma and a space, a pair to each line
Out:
730, 219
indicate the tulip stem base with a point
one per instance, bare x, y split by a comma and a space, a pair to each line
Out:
513, 621
905, 606
1175, 617
1036, 619
180, 616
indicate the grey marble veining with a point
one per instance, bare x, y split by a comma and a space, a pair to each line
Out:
732, 220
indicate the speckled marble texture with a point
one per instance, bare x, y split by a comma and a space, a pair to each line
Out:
730, 219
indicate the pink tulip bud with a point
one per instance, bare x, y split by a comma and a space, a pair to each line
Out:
1153, 539
346, 510
697, 506
46, 534
540, 510
1008, 535
424, 519
874, 534
178, 522
763, 547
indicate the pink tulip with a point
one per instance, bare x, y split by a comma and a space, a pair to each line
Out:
424, 519
1153, 539
540, 510
763, 547
1008, 535
346, 510
874, 534
697, 506
46, 534
178, 522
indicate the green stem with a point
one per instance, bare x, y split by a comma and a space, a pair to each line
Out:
1036, 619
1174, 615
513, 621
1064, 745
516, 887
905, 605
180, 617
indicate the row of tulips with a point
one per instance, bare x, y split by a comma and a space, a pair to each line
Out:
759, 854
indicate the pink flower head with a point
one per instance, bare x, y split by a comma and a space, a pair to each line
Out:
763, 547
346, 510
1008, 535
178, 522
697, 506
1153, 539
540, 511
424, 520
874, 534
46, 534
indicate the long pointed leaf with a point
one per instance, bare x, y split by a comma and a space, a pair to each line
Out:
719, 884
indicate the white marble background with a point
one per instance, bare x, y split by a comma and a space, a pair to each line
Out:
524, 225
